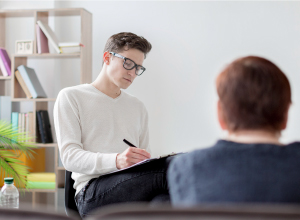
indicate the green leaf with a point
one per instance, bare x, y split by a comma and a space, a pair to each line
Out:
12, 144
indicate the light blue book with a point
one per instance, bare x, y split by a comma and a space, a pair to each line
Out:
33, 84
5, 108
15, 120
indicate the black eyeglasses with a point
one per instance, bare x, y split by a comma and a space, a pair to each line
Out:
130, 64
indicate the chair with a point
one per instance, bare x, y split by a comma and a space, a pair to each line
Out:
28, 213
205, 212
70, 205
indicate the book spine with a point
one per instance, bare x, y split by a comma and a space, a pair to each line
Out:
23, 124
40, 125
2, 67
30, 125
27, 81
15, 123
5, 58
23, 84
26, 126
46, 126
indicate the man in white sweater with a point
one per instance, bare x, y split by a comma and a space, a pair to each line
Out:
91, 121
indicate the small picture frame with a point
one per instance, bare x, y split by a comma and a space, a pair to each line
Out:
24, 47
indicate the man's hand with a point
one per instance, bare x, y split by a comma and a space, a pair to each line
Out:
130, 156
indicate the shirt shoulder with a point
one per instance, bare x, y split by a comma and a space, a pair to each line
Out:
73, 90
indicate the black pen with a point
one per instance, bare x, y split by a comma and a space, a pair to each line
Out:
127, 142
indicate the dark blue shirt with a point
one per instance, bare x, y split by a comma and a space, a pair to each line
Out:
235, 172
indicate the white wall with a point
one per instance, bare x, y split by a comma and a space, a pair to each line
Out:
192, 42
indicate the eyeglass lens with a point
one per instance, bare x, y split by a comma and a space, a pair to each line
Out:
129, 65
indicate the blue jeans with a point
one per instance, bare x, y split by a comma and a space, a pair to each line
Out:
146, 182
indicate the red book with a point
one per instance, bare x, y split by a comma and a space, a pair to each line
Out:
41, 41
6, 62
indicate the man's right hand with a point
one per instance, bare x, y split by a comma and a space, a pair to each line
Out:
130, 156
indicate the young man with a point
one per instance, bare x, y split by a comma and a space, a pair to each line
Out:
91, 121
250, 165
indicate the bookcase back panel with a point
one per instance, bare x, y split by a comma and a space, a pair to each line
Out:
17, 91
2, 33
60, 178
4, 87
41, 106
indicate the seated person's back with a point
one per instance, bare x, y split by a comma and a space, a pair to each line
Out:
250, 165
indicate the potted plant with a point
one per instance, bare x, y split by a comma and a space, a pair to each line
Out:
12, 144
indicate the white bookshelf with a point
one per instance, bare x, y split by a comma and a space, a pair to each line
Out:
9, 86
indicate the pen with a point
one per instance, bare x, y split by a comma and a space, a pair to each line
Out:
127, 142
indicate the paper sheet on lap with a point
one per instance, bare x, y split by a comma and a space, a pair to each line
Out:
144, 161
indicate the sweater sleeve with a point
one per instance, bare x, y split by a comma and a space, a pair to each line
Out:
68, 132
144, 134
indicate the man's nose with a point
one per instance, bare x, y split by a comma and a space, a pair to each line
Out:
132, 72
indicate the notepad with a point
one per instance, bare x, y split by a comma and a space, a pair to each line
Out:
144, 161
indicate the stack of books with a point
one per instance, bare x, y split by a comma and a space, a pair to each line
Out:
5, 63
23, 122
45, 34
29, 82
41, 181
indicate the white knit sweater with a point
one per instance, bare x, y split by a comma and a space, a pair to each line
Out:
90, 127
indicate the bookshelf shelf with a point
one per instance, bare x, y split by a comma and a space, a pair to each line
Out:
33, 100
5, 77
49, 55
37, 190
45, 145
50, 12
10, 86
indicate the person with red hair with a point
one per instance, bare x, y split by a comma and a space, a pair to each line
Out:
250, 164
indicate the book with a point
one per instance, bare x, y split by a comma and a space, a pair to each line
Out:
23, 124
23, 84
6, 62
40, 185
32, 82
2, 68
70, 47
19, 123
44, 126
15, 120
50, 35
41, 41
41, 177
30, 128
5, 108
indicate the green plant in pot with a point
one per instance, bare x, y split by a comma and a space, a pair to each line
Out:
12, 144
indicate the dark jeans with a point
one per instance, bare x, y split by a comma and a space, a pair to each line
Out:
146, 182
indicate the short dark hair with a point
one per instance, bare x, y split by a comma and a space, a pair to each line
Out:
254, 94
125, 41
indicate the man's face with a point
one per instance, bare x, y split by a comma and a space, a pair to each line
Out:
120, 76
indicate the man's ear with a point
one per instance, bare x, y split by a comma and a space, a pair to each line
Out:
221, 116
284, 123
106, 57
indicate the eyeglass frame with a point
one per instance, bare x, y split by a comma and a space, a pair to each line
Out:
125, 58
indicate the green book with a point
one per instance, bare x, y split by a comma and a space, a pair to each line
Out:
40, 185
